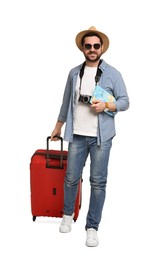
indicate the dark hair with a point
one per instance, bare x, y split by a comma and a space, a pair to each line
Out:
91, 34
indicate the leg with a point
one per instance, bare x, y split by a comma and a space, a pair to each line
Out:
77, 155
98, 178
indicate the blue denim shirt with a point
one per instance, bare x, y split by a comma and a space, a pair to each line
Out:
111, 80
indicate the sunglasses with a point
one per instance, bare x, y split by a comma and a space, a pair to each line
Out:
96, 46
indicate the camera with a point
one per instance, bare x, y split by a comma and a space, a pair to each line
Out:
84, 99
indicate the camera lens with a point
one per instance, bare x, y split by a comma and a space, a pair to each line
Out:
85, 100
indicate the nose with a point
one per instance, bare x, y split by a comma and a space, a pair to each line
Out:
92, 47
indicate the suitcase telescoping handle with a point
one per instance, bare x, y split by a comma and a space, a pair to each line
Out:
47, 153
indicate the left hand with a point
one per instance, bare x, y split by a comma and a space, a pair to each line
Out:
98, 106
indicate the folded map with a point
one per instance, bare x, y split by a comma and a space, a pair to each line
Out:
103, 95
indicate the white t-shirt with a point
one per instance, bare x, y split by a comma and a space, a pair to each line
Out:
85, 121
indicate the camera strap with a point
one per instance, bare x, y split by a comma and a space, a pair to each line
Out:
97, 76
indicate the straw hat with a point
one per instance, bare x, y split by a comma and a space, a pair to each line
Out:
104, 38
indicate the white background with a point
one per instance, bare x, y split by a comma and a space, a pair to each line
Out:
37, 50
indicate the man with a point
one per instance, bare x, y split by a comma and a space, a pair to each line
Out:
89, 127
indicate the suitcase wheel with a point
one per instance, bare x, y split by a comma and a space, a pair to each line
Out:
34, 218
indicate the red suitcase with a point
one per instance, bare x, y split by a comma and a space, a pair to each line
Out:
47, 173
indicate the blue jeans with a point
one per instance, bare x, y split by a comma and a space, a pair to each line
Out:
99, 156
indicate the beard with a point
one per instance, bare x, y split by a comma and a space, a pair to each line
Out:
92, 59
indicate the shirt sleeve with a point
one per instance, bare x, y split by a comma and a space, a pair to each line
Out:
120, 94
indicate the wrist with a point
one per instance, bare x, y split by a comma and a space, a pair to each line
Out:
106, 107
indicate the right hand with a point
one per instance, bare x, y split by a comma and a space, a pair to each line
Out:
54, 133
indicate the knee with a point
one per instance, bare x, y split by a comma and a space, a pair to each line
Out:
98, 182
71, 180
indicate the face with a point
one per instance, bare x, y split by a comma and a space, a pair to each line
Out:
92, 48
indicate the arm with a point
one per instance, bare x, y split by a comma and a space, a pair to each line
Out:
63, 112
121, 95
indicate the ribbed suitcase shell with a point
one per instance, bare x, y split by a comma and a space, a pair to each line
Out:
47, 185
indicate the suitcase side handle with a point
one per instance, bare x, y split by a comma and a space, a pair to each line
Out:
47, 153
